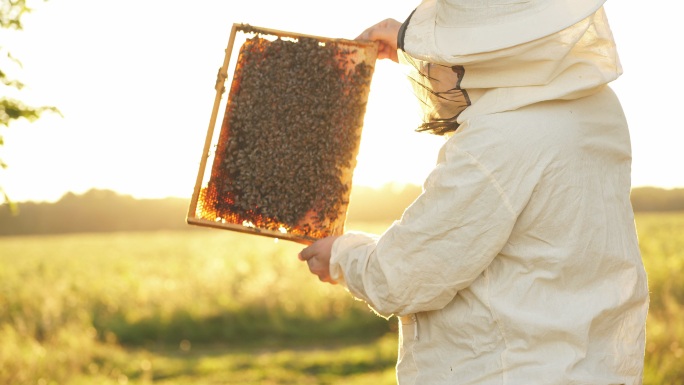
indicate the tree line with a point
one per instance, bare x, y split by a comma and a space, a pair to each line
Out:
105, 210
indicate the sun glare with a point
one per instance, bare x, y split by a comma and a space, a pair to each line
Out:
137, 100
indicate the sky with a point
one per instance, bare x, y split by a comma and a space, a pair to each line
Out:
134, 81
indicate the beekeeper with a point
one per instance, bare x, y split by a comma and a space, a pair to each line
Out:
519, 262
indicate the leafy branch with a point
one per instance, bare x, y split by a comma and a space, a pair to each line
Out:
11, 13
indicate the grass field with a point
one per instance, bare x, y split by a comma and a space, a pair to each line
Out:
216, 307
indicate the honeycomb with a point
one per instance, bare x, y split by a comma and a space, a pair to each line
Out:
286, 151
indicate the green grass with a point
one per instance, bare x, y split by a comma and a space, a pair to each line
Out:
661, 238
72, 303
369, 363
217, 307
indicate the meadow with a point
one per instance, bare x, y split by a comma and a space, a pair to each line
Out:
209, 306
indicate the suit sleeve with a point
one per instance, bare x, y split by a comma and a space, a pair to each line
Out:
443, 242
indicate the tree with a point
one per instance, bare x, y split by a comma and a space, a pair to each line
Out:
11, 12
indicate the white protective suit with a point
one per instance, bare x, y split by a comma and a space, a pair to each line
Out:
519, 262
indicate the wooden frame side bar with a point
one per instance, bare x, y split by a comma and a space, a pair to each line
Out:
220, 89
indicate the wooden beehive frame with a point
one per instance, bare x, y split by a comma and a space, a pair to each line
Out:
222, 76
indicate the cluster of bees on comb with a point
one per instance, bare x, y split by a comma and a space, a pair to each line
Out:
290, 135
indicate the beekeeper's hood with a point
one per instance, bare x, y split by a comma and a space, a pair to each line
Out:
477, 57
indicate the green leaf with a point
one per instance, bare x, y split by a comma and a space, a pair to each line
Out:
13, 208
11, 13
11, 109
